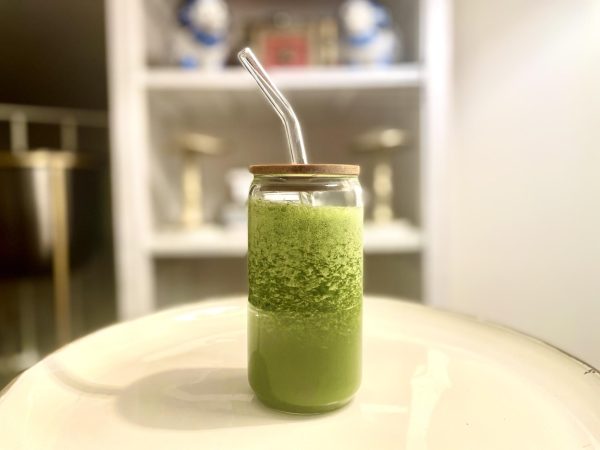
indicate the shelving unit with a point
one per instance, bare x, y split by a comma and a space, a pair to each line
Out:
321, 78
212, 241
151, 104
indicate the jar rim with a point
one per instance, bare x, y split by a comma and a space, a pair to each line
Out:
304, 169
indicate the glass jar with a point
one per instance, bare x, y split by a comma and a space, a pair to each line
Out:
305, 271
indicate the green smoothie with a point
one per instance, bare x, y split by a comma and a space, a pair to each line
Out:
304, 324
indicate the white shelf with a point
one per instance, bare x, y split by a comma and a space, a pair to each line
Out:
397, 237
314, 78
208, 241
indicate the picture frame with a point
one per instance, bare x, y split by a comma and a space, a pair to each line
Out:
299, 44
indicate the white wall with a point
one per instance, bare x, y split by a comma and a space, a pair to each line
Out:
524, 226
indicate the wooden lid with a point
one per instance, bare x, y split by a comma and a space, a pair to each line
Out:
305, 169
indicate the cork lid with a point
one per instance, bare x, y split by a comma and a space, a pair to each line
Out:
305, 169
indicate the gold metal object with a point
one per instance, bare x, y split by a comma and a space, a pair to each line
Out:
191, 188
43, 158
381, 143
57, 163
60, 255
381, 139
54, 165
193, 146
382, 190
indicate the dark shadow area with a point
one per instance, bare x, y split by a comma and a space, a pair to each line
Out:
195, 399
54, 53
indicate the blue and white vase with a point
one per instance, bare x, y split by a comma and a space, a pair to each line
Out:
368, 38
201, 40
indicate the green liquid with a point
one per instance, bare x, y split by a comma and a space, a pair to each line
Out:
304, 322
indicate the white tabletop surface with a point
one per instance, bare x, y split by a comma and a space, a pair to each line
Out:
177, 380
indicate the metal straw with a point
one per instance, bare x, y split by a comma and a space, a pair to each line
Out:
279, 103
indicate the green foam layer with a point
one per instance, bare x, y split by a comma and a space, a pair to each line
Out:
304, 258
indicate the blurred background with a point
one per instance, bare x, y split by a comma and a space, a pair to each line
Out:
126, 129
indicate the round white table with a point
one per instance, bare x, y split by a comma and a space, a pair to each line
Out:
177, 380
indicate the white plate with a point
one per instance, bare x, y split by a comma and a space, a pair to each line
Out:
177, 380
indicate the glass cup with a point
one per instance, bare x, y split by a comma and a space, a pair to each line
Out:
305, 270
